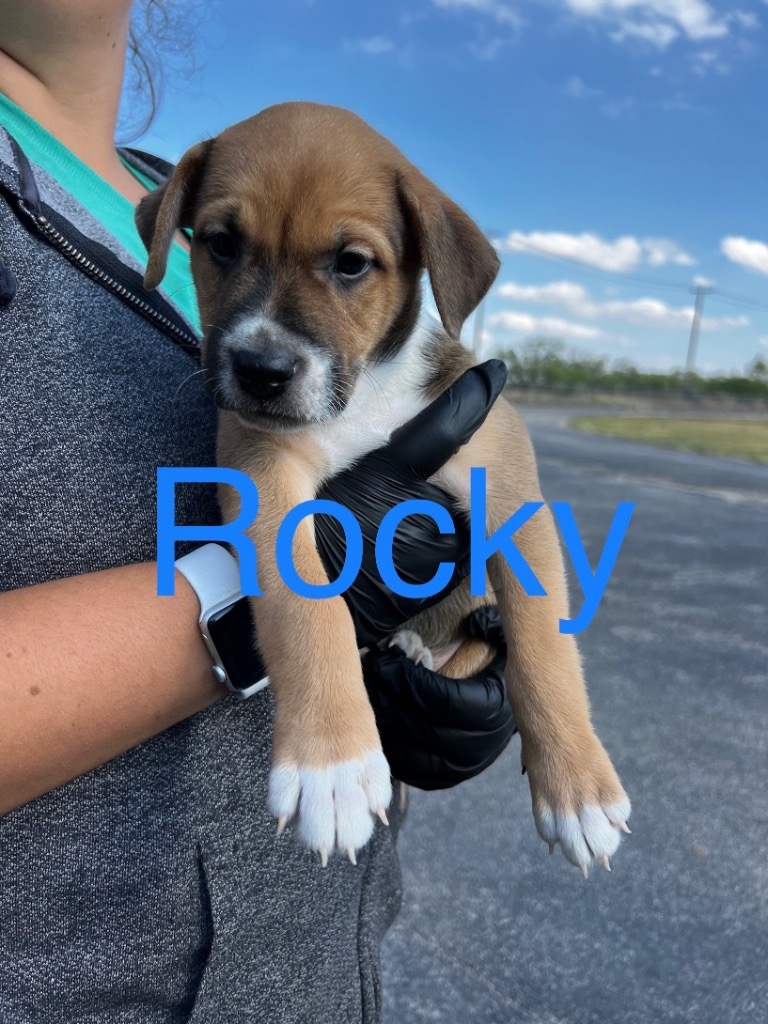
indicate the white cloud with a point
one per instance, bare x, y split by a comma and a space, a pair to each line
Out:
578, 90
622, 255
372, 45
748, 253
496, 9
657, 33
525, 323
657, 22
705, 62
747, 19
643, 312
763, 340
561, 293
659, 251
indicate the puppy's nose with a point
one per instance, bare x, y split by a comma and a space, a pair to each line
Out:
263, 374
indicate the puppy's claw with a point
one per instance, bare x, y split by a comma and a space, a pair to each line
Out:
605, 862
381, 813
282, 821
551, 848
624, 827
411, 645
584, 870
332, 808
353, 858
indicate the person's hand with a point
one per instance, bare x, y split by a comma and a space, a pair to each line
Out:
436, 732
395, 473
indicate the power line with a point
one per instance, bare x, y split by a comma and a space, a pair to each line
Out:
588, 268
737, 300
636, 278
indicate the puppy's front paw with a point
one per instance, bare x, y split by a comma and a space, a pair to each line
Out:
332, 806
580, 805
411, 644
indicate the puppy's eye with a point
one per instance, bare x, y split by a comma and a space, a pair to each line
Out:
222, 247
351, 264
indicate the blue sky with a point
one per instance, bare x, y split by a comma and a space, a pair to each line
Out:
617, 149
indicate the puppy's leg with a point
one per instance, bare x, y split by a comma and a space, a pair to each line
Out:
576, 794
329, 772
463, 658
441, 629
473, 656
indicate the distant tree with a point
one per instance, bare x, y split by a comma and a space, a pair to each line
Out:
537, 363
758, 370
544, 362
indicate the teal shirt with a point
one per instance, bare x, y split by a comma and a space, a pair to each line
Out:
101, 200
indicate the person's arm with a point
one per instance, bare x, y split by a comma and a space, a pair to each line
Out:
90, 666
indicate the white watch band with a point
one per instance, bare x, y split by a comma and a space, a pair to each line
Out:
213, 574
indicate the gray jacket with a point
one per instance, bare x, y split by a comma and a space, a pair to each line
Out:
153, 889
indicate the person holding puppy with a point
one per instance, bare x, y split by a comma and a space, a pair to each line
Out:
141, 879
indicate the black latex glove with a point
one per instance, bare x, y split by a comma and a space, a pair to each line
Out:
395, 473
435, 731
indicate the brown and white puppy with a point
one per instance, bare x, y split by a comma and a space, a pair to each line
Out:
311, 232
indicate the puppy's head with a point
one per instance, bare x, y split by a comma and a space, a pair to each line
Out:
310, 234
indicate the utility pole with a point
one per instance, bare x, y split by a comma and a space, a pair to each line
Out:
478, 321
477, 325
700, 291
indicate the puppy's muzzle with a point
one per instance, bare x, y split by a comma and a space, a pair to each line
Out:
271, 376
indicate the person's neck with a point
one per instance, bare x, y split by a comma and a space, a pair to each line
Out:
72, 88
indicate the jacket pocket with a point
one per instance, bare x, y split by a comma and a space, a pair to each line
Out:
379, 905
287, 943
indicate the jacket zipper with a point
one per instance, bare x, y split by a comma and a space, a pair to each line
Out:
74, 255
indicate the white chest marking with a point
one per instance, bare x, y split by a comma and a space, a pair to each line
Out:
385, 397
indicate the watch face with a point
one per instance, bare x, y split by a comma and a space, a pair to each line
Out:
232, 633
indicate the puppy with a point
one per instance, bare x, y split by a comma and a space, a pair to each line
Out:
311, 233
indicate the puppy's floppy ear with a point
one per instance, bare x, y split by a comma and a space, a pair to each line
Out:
461, 262
162, 212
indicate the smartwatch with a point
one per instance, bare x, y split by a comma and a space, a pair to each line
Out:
225, 619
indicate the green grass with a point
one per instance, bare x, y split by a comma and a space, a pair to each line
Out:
737, 439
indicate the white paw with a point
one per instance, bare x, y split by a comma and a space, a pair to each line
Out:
592, 834
332, 806
412, 646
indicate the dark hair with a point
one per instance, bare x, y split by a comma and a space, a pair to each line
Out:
161, 37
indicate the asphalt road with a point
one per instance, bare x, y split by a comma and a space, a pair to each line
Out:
493, 930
